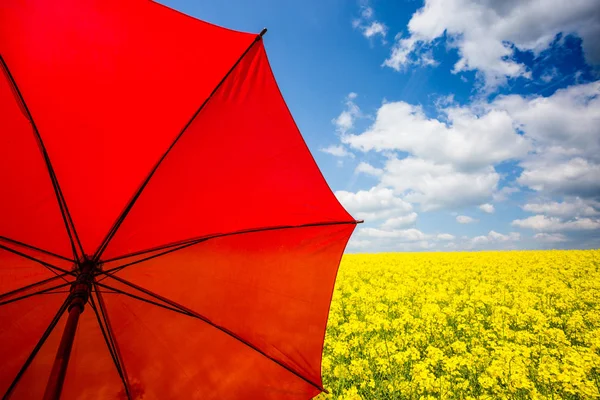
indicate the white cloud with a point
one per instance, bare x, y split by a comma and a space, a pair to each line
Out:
407, 235
556, 140
567, 209
337, 151
436, 186
576, 176
504, 193
364, 245
345, 121
368, 239
375, 239
553, 224
494, 237
549, 75
375, 28
367, 13
375, 204
487, 208
400, 222
566, 124
464, 219
487, 33
468, 139
452, 158
369, 26
550, 237
368, 169
445, 236
565, 130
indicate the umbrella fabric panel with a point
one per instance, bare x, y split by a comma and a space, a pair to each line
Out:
91, 373
169, 355
271, 289
17, 271
22, 324
109, 84
29, 210
242, 164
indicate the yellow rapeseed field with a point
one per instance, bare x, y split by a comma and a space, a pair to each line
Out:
481, 325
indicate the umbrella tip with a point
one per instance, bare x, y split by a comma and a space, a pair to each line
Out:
262, 33
360, 221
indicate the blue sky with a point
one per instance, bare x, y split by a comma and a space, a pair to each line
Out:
445, 124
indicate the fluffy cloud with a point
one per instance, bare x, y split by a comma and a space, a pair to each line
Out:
464, 219
337, 151
368, 169
370, 27
494, 237
565, 130
566, 209
553, 224
556, 139
407, 235
374, 204
436, 186
487, 208
487, 33
576, 176
378, 239
345, 121
400, 222
467, 138
550, 237
368, 239
375, 28
566, 123
504, 193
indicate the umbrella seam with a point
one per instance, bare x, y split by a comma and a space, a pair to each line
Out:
30, 286
109, 341
45, 264
62, 204
34, 293
22, 244
132, 202
196, 240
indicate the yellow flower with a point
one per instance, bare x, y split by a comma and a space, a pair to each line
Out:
486, 325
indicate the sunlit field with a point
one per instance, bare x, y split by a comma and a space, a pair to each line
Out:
486, 325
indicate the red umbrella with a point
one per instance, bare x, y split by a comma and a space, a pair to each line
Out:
164, 230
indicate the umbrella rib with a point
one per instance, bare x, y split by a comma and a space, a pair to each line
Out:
184, 310
35, 248
118, 291
31, 286
43, 291
131, 203
37, 348
190, 242
104, 310
45, 264
111, 271
57, 292
66, 216
108, 339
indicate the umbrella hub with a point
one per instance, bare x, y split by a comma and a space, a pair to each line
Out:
81, 288
80, 293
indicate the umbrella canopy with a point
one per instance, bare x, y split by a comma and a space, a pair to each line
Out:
164, 230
